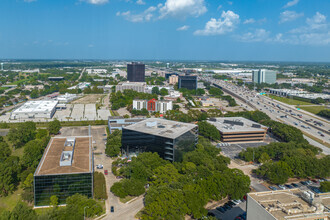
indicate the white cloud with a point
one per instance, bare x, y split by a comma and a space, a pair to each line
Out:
249, 21
257, 36
318, 21
183, 28
226, 23
144, 16
291, 3
289, 16
182, 8
96, 2
219, 7
140, 2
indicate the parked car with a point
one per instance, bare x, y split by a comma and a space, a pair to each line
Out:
295, 185
99, 166
288, 186
105, 172
112, 209
281, 187
304, 183
273, 188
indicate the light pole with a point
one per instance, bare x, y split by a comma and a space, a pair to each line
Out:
84, 211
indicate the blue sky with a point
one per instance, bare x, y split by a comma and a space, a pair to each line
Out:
265, 30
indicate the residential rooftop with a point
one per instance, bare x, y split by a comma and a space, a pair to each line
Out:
161, 127
293, 204
236, 124
80, 154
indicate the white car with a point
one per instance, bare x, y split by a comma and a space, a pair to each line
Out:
99, 166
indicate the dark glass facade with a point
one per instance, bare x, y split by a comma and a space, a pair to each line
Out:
136, 72
167, 148
188, 82
62, 186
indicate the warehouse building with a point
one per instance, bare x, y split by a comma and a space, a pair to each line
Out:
239, 129
170, 139
65, 169
153, 105
67, 97
293, 204
35, 109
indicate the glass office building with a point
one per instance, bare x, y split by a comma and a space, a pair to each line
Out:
170, 139
65, 169
188, 82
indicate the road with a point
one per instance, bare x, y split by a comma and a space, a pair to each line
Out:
81, 74
279, 111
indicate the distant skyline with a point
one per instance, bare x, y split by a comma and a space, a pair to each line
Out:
254, 30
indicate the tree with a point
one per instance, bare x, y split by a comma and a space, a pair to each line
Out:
28, 182
32, 153
22, 134
165, 175
208, 130
264, 158
54, 126
100, 191
22, 211
53, 201
163, 92
9, 170
41, 133
325, 186
155, 90
5, 151
113, 145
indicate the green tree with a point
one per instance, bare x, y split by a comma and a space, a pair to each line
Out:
208, 130
5, 151
32, 153
264, 158
155, 90
113, 144
165, 175
22, 211
53, 201
54, 126
41, 133
22, 134
163, 92
325, 186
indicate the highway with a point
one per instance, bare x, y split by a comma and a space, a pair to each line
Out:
278, 111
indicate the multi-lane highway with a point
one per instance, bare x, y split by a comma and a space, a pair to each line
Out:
308, 123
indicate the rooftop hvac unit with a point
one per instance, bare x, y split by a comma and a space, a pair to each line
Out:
256, 126
213, 119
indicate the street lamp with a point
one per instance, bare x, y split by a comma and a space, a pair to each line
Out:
84, 211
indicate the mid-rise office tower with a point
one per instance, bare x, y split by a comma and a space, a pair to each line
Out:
264, 76
135, 72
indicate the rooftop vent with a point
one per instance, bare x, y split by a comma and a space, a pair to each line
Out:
151, 124
256, 126
233, 122
67, 153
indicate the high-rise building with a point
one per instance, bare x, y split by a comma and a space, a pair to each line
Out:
173, 79
135, 72
264, 76
188, 82
1, 66
170, 139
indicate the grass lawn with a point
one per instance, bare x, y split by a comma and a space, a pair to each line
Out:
3, 88
313, 109
126, 199
289, 101
8, 203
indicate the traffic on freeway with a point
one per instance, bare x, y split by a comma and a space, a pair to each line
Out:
308, 123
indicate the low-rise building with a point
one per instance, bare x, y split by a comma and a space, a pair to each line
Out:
153, 105
136, 86
299, 93
66, 168
35, 109
207, 103
239, 129
67, 97
148, 89
173, 95
170, 139
293, 204
82, 86
117, 123
96, 71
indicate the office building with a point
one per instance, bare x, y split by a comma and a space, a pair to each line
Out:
239, 129
188, 82
173, 79
66, 168
117, 122
67, 97
173, 95
153, 105
135, 72
293, 204
136, 86
35, 109
264, 76
170, 139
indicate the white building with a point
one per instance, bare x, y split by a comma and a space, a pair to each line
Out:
264, 76
148, 89
153, 105
173, 95
67, 97
81, 86
35, 109
136, 86
96, 71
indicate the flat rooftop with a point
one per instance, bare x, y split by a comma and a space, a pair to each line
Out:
236, 124
81, 161
161, 127
36, 106
290, 204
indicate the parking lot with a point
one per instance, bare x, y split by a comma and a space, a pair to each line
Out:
230, 214
232, 150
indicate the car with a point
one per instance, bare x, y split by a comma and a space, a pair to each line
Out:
281, 187
235, 202
288, 186
220, 209
309, 182
227, 206
112, 209
295, 185
104, 134
105, 172
231, 203
99, 166
315, 181
273, 188
210, 214
304, 183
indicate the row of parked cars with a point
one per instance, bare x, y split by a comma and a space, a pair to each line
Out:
228, 205
296, 185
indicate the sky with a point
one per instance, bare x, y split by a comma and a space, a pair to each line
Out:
236, 30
